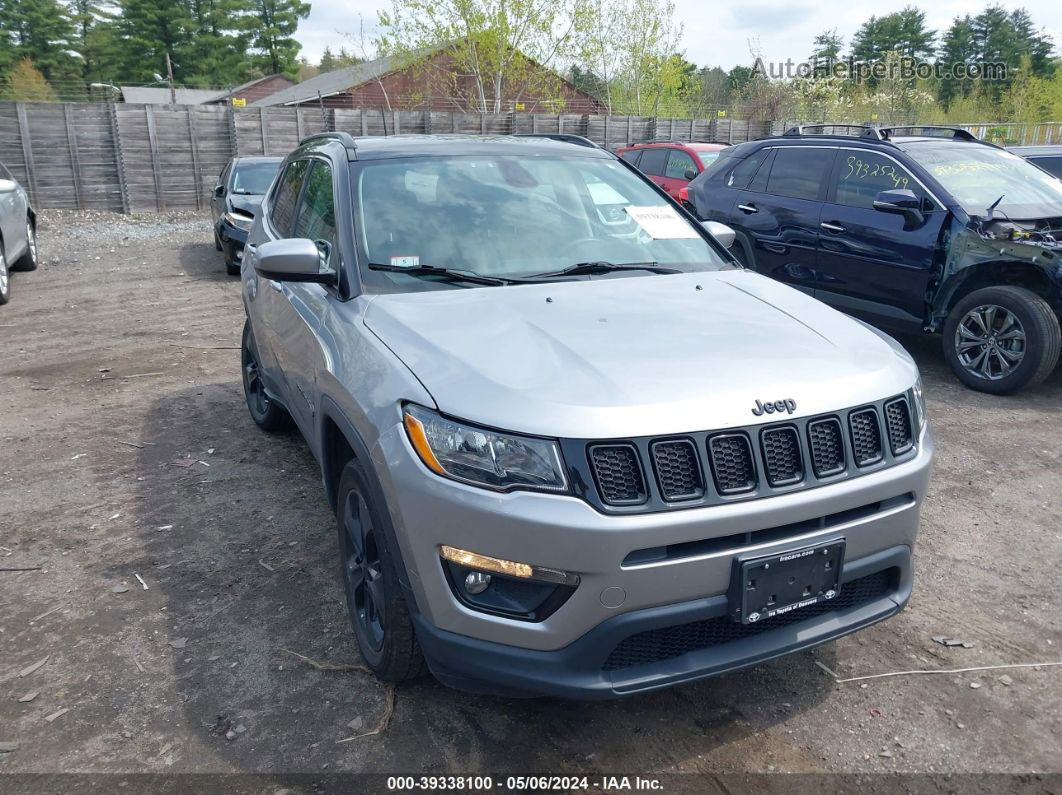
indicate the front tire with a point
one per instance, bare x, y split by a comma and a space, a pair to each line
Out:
378, 610
265, 412
28, 261
1001, 339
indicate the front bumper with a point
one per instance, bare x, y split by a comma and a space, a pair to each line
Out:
565, 654
588, 668
232, 237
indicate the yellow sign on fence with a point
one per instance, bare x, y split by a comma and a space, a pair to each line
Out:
239, 102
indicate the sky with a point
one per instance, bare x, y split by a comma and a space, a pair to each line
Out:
715, 35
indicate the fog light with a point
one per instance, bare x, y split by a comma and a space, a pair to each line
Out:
476, 582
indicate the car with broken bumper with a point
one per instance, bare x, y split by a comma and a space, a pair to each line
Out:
235, 200
571, 451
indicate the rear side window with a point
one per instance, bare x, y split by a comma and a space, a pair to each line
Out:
316, 217
744, 171
1052, 165
678, 163
861, 176
654, 161
287, 192
798, 172
631, 155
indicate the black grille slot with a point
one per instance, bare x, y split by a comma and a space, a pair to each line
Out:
732, 465
677, 470
781, 456
618, 474
866, 437
666, 643
827, 446
898, 423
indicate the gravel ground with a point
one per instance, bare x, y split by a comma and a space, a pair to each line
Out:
172, 602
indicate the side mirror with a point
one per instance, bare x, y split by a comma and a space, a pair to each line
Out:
691, 174
292, 260
721, 232
219, 191
901, 202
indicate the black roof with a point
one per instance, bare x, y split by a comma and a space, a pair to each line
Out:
390, 146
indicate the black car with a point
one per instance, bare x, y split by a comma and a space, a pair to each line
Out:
242, 184
1049, 158
915, 229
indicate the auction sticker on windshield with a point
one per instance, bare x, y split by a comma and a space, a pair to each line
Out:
662, 223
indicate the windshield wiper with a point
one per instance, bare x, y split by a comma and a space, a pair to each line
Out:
601, 266
453, 274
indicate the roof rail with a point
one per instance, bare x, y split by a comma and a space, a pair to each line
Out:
865, 130
344, 138
929, 131
567, 138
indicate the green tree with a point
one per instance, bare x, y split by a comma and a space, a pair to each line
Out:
272, 27
328, 61
826, 51
903, 32
957, 47
43, 32
94, 38
24, 83
149, 31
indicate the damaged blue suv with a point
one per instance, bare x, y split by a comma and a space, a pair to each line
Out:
910, 228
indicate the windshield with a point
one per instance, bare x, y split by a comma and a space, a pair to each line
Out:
977, 176
254, 178
518, 216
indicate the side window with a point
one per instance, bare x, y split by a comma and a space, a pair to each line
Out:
654, 161
863, 175
287, 191
631, 156
759, 182
1052, 165
316, 216
678, 163
798, 172
223, 178
744, 171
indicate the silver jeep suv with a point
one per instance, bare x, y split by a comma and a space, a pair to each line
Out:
573, 448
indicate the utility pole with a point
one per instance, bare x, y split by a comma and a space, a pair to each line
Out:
169, 79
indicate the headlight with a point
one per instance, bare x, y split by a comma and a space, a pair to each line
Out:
239, 220
919, 401
483, 457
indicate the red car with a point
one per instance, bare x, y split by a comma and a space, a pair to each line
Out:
672, 165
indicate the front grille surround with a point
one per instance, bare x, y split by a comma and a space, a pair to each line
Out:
618, 473
732, 462
678, 469
867, 447
834, 461
898, 426
783, 462
826, 446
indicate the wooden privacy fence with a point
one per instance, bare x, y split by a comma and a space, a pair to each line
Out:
152, 158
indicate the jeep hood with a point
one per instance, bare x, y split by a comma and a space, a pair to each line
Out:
635, 356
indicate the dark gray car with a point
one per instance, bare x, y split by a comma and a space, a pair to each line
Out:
18, 242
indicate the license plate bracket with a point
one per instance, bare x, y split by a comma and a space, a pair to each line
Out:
765, 586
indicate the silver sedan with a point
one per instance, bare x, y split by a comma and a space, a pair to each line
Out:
18, 241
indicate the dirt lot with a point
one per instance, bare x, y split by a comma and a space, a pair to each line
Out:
119, 365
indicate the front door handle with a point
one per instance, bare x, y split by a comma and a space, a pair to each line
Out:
748, 208
836, 228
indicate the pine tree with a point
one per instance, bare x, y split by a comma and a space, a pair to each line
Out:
272, 25
43, 32
957, 47
25, 83
328, 61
